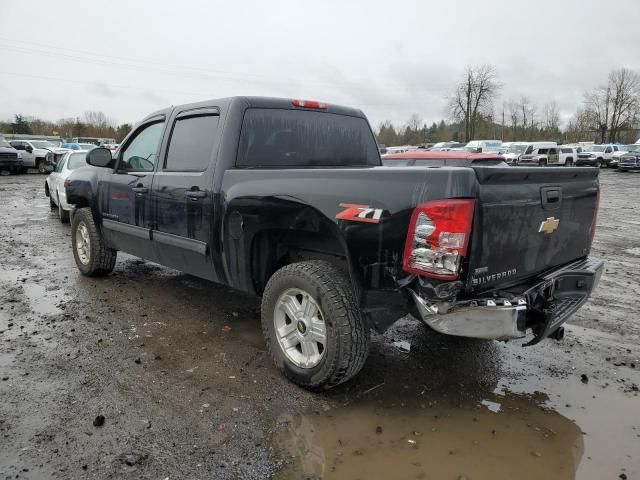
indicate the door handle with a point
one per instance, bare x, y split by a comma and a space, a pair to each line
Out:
195, 194
140, 190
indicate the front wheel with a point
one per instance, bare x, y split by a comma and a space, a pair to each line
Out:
568, 162
92, 257
542, 162
312, 324
41, 165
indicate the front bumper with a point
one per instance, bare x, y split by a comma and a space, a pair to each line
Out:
628, 166
540, 308
10, 164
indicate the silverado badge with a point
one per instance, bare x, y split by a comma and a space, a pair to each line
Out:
550, 225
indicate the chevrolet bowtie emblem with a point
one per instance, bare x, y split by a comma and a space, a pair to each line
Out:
550, 225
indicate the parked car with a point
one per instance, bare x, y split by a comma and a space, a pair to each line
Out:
71, 146
287, 199
596, 155
88, 146
630, 161
622, 149
513, 152
446, 146
432, 158
541, 154
54, 184
483, 146
40, 154
10, 158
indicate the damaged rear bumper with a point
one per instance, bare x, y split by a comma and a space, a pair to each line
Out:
540, 308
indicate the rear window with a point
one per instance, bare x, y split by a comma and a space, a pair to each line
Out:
293, 138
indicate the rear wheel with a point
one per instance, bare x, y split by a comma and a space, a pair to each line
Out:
568, 162
313, 327
92, 257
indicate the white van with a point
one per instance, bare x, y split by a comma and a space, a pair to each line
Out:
540, 153
483, 146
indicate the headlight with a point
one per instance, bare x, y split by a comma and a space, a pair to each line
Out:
20, 155
592, 156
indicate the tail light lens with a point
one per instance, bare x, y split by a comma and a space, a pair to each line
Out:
438, 238
309, 104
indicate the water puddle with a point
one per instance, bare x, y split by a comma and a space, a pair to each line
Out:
39, 299
528, 424
373, 440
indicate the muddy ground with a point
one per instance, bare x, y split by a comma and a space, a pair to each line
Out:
177, 368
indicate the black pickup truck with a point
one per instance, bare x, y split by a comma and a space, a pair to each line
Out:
288, 200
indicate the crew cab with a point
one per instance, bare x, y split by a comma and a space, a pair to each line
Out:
288, 200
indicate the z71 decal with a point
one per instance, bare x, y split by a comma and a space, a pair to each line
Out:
359, 213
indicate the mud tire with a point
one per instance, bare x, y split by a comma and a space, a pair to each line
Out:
347, 334
102, 259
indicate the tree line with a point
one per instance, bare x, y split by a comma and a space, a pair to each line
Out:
91, 124
608, 113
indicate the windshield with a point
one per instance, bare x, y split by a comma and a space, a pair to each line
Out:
632, 148
517, 148
77, 160
594, 148
4, 143
43, 144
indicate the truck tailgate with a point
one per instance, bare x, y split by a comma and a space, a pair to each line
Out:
529, 220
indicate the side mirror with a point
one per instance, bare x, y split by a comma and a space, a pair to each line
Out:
29, 149
100, 157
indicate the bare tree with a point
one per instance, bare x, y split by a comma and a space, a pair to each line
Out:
615, 105
474, 97
551, 118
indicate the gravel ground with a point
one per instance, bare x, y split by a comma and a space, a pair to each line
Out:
150, 373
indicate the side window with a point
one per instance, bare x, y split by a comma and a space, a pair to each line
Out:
615, 149
543, 151
141, 154
529, 150
608, 150
191, 143
552, 151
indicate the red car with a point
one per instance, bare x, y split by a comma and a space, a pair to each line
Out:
439, 159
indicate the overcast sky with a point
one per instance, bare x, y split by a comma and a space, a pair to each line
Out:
390, 58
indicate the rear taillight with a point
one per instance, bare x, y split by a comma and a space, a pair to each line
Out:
309, 104
438, 237
594, 222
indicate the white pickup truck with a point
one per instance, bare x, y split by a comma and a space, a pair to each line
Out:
40, 154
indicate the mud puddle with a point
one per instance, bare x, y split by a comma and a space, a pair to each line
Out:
527, 425
523, 438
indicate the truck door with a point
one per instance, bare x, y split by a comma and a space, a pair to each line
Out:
183, 196
124, 194
26, 150
553, 156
